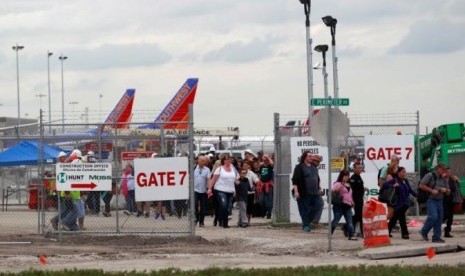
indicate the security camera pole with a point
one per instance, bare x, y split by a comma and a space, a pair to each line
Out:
307, 5
331, 23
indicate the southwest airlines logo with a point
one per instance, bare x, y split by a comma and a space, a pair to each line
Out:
61, 177
174, 104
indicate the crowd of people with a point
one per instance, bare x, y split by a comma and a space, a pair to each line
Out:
220, 181
308, 193
441, 187
442, 194
248, 181
73, 204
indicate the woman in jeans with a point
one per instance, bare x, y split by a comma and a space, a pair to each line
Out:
403, 190
342, 187
223, 180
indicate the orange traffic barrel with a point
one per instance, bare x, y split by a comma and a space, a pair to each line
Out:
375, 226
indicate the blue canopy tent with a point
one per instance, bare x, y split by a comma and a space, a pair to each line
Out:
27, 153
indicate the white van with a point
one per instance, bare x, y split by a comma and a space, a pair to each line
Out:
234, 153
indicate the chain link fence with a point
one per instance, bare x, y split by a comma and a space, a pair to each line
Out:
351, 146
31, 202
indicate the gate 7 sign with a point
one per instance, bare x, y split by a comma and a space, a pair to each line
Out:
161, 178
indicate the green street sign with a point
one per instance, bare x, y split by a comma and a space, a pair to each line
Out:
329, 102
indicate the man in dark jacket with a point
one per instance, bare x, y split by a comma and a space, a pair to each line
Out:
358, 192
449, 202
306, 188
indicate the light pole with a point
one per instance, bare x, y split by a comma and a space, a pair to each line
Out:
307, 5
49, 54
331, 23
40, 96
18, 48
62, 59
323, 49
73, 104
100, 96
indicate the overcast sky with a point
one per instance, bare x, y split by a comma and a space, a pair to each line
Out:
250, 57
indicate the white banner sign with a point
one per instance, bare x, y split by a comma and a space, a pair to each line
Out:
301, 144
158, 179
83, 176
298, 146
380, 148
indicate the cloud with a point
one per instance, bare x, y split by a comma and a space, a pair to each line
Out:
349, 52
456, 7
107, 56
239, 52
432, 37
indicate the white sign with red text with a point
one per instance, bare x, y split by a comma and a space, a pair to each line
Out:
380, 148
158, 179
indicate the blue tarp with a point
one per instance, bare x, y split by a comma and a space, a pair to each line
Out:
27, 153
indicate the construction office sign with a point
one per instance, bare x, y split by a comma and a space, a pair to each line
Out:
83, 176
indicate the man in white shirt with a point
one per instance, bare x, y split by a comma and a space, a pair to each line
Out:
201, 175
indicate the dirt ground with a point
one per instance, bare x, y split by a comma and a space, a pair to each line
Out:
260, 245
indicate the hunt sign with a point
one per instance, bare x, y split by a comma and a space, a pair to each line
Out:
83, 176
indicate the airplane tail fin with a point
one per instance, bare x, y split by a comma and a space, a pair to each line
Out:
121, 114
175, 115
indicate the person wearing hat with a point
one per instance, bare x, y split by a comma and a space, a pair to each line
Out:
248, 157
69, 202
306, 188
61, 157
76, 157
91, 157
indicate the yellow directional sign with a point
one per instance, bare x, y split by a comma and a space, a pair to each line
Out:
337, 163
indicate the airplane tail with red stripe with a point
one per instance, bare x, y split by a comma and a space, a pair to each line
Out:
175, 115
121, 115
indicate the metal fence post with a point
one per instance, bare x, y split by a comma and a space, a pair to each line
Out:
162, 140
114, 161
192, 204
328, 162
40, 187
277, 170
419, 159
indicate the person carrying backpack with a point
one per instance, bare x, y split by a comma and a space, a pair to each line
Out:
403, 190
437, 186
383, 174
387, 173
